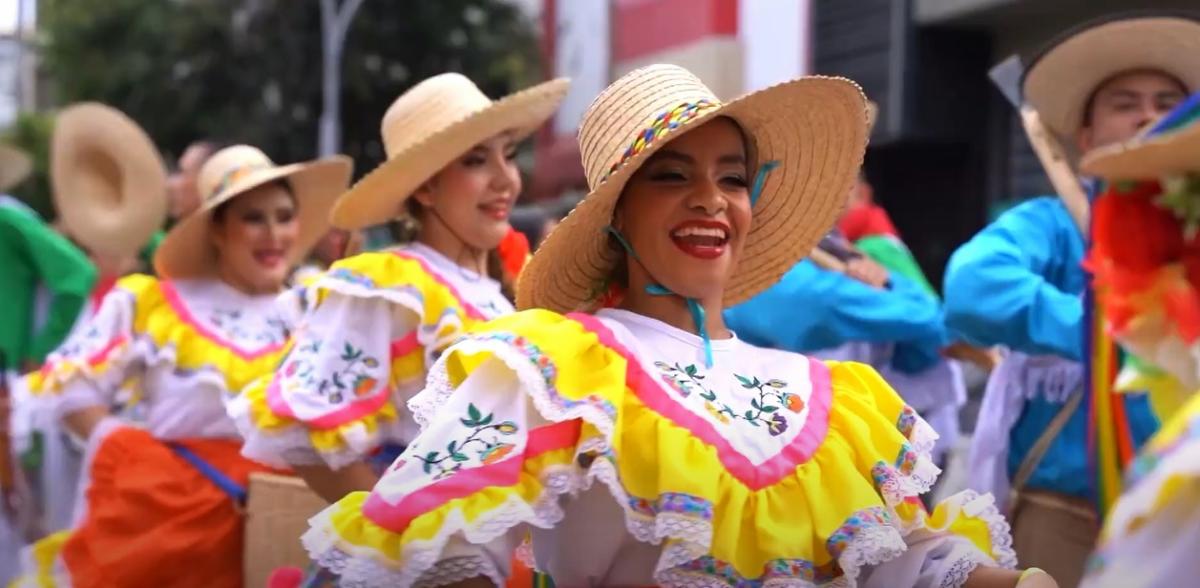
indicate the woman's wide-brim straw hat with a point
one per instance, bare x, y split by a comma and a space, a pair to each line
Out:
1061, 80
109, 182
14, 167
187, 251
814, 127
1153, 154
429, 126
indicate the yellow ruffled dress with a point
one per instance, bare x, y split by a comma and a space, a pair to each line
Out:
606, 439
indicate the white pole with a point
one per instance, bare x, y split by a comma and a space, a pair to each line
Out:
335, 22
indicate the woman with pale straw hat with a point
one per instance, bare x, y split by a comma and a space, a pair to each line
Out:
335, 410
165, 495
636, 439
1144, 259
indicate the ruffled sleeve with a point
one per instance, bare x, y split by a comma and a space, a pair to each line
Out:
372, 324
538, 407
1150, 536
100, 356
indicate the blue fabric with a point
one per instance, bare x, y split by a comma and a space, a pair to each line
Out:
812, 309
383, 458
1064, 468
228, 486
1020, 283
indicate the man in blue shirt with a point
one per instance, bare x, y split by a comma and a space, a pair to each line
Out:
1019, 284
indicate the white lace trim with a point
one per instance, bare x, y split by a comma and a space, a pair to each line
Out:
398, 295
327, 549
898, 487
870, 546
983, 507
923, 437
292, 445
955, 574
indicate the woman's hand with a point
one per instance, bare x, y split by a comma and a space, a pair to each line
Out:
82, 422
868, 272
989, 577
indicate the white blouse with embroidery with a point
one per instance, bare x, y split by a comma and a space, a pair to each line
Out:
183, 346
374, 325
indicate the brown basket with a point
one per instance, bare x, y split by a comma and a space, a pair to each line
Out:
277, 514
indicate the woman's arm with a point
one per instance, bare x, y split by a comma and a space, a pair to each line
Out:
332, 485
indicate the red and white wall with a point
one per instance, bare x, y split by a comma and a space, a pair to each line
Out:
733, 45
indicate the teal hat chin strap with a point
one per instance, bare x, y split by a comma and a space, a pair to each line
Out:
699, 316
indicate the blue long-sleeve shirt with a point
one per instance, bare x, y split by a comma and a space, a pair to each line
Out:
1020, 283
812, 309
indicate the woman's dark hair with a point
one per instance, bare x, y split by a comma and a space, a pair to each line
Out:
218, 215
406, 229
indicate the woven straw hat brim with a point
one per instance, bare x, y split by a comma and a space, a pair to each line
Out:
815, 127
1162, 155
187, 251
109, 181
1060, 81
379, 196
14, 167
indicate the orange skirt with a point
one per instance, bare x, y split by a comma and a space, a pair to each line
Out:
154, 520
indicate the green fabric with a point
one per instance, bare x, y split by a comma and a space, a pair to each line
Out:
31, 253
891, 253
147, 253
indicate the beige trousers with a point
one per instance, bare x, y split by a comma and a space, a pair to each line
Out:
1054, 532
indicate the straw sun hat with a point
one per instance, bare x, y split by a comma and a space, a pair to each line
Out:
1155, 153
814, 127
187, 252
1060, 81
429, 126
108, 178
14, 167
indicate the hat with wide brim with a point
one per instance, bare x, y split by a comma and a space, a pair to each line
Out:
109, 182
1154, 153
188, 251
431, 125
1059, 82
15, 166
814, 127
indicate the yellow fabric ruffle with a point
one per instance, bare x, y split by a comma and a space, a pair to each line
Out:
398, 279
157, 333
861, 480
42, 561
1168, 464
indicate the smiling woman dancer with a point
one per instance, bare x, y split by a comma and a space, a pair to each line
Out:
162, 503
336, 404
645, 444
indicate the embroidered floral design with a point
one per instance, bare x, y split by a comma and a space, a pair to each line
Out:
795, 568
353, 379
765, 410
874, 516
907, 422
904, 465
673, 502
232, 323
484, 438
